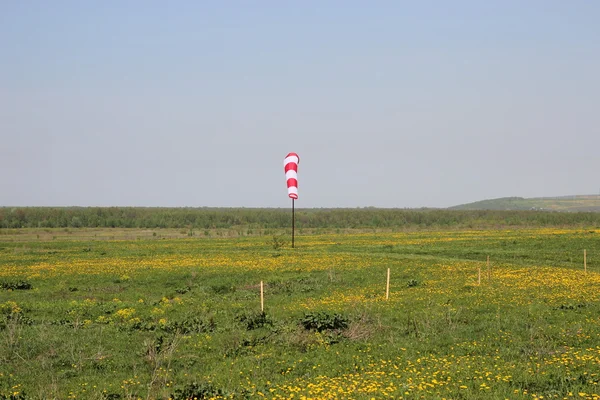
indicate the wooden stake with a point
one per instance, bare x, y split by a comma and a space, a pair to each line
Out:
262, 298
585, 261
479, 275
488, 268
387, 286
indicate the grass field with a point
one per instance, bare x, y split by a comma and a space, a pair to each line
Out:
564, 203
128, 314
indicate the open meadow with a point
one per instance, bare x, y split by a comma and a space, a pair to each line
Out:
127, 314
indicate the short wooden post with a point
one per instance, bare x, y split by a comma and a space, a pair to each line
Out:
387, 286
479, 275
585, 261
262, 298
488, 268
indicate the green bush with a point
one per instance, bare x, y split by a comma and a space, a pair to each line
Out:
323, 321
190, 325
222, 289
412, 283
255, 320
278, 242
18, 285
199, 391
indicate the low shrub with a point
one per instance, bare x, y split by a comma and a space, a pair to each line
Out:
222, 289
255, 320
199, 391
323, 321
17, 285
412, 283
190, 325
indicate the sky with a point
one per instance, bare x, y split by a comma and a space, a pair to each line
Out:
387, 103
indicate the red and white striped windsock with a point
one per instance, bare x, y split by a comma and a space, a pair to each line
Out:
290, 165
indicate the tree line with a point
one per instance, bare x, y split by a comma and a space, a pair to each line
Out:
274, 218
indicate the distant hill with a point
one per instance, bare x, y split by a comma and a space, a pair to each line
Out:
563, 203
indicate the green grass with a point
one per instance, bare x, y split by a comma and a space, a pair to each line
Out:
566, 203
157, 317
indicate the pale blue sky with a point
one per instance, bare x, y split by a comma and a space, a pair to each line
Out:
389, 104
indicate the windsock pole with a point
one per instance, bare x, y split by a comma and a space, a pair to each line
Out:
290, 166
293, 222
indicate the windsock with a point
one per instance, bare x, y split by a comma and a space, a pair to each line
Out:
290, 165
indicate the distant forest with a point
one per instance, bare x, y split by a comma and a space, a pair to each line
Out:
273, 218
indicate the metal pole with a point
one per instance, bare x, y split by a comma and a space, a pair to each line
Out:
293, 222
